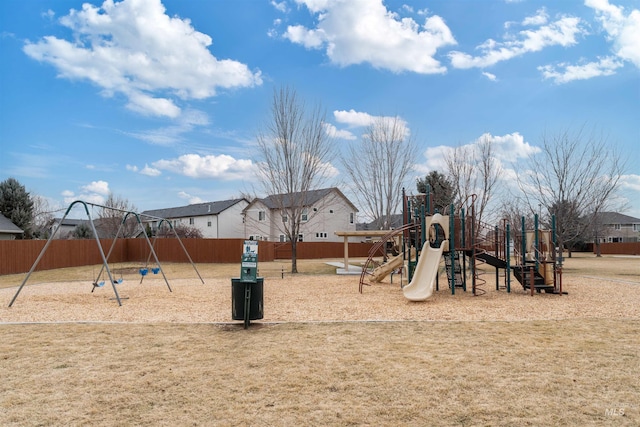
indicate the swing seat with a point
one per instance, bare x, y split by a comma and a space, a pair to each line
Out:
118, 281
144, 271
98, 285
155, 270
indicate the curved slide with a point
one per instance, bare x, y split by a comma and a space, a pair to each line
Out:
424, 276
382, 271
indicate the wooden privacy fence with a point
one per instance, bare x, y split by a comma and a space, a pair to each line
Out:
629, 248
315, 250
17, 256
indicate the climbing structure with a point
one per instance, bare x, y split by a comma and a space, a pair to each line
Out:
472, 246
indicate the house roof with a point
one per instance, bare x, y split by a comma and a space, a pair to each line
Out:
309, 198
199, 209
98, 223
377, 224
608, 218
8, 227
70, 222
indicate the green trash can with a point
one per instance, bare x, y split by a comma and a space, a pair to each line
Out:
238, 299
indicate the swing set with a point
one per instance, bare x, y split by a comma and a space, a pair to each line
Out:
97, 283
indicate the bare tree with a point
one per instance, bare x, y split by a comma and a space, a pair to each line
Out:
112, 214
180, 230
378, 167
42, 216
473, 169
295, 154
575, 176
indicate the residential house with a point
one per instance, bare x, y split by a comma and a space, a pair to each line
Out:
395, 221
66, 227
215, 220
616, 227
324, 212
8, 230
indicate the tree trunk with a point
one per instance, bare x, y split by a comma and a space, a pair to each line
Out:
294, 256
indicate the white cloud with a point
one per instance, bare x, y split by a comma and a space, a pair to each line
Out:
99, 187
490, 76
364, 31
149, 171
169, 135
540, 18
134, 48
511, 146
210, 166
192, 199
334, 132
622, 29
562, 32
353, 118
506, 148
630, 182
407, 8
568, 73
281, 6
95, 192
132, 168
49, 14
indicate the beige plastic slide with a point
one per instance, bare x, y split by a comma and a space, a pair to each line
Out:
424, 277
385, 269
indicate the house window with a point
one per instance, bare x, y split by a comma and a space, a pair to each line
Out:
300, 237
283, 238
305, 215
616, 226
208, 223
190, 221
636, 227
321, 235
261, 215
285, 218
351, 218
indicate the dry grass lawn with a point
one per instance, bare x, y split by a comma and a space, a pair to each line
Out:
323, 355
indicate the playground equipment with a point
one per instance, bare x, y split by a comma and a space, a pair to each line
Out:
143, 271
424, 277
467, 246
97, 283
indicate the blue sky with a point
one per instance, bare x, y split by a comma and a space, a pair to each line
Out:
160, 102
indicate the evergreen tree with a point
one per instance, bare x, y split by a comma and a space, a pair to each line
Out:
82, 231
16, 205
441, 189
